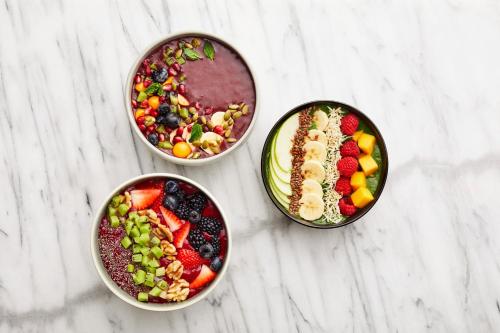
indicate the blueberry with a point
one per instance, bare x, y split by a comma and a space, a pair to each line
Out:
216, 264
194, 216
172, 120
153, 138
160, 75
171, 202
161, 120
163, 109
206, 250
171, 186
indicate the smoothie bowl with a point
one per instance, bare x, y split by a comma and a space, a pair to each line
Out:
191, 98
160, 242
324, 164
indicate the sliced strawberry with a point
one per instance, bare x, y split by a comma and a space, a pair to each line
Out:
181, 234
206, 275
173, 222
144, 198
190, 259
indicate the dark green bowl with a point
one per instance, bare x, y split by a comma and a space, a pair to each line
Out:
264, 164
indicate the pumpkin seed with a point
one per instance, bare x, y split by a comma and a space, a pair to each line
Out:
196, 155
215, 149
188, 120
196, 143
188, 45
224, 126
227, 134
203, 120
210, 125
183, 113
192, 110
230, 122
233, 106
231, 140
244, 109
218, 140
182, 124
242, 105
195, 117
227, 115
178, 53
204, 144
148, 120
236, 115
173, 99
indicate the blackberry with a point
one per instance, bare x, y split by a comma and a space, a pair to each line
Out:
196, 239
198, 201
181, 194
216, 245
183, 210
210, 225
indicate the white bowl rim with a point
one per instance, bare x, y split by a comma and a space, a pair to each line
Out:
128, 99
120, 292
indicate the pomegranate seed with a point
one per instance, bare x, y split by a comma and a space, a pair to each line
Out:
148, 71
147, 133
147, 83
142, 127
144, 103
218, 129
167, 87
161, 137
154, 113
176, 66
197, 105
140, 120
162, 99
151, 128
180, 130
147, 111
182, 89
134, 103
178, 139
168, 130
145, 63
138, 79
189, 128
209, 110
172, 72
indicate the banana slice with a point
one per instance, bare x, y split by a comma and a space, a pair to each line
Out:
315, 150
320, 118
311, 207
311, 186
213, 140
217, 118
313, 169
317, 135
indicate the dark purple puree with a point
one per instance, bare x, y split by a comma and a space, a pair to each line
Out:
211, 84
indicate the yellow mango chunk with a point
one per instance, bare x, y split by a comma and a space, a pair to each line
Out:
366, 142
356, 135
361, 197
140, 87
368, 164
358, 180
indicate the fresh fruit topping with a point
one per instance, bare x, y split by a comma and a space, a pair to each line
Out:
216, 264
206, 275
196, 239
144, 198
311, 186
171, 202
181, 234
206, 251
163, 109
368, 164
160, 75
182, 100
181, 150
183, 210
349, 124
194, 217
317, 135
173, 222
218, 130
140, 87
171, 186
311, 207
349, 148
217, 118
356, 135
198, 201
313, 170
153, 139
216, 245
154, 102
361, 197
320, 119
366, 142
346, 207
210, 225
190, 259
315, 150
358, 180
347, 166
343, 186
172, 120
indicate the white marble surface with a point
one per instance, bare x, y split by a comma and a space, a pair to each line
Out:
426, 258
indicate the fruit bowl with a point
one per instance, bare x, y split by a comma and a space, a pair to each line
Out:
324, 164
191, 98
160, 242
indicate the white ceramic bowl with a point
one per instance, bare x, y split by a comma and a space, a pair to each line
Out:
137, 131
94, 247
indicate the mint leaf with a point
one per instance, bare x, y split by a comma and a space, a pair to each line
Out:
209, 50
191, 54
313, 126
196, 133
153, 88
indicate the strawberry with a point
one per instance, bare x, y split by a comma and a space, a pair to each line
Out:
206, 275
343, 186
144, 198
181, 234
347, 166
349, 124
173, 222
190, 259
346, 207
349, 148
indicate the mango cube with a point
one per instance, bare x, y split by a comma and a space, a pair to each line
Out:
366, 143
368, 164
358, 180
356, 135
361, 197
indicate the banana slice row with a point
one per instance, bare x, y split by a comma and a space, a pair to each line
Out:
311, 207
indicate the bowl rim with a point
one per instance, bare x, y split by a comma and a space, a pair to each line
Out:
102, 272
382, 146
128, 98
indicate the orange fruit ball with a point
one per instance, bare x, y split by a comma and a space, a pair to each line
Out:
154, 102
139, 86
181, 149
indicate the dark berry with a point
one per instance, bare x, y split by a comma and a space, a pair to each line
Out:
172, 120
183, 210
194, 216
181, 194
153, 138
162, 120
206, 251
198, 201
171, 202
163, 109
216, 264
160, 75
196, 239
216, 245
210, 225
171, 186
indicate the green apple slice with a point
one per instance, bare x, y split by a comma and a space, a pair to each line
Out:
284, 142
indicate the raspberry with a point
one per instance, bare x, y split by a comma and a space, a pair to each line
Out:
346, 207
343, 186
349, 124
347, 166
349, 148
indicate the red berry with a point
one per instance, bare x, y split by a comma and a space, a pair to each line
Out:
148, 71
349, 148
140, 120
197, 105
218, 129
147, 83
178, 139
167, 87
142, 127
145, 63
154, 113
138, 78
147, 111
182, 89
172, 72
209, 110
151, 128
176, 66
347, 166
144, 103
189, 127
349, 124
180, 130
161, 137
162, 99
346, 207
343, 186
134, 103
